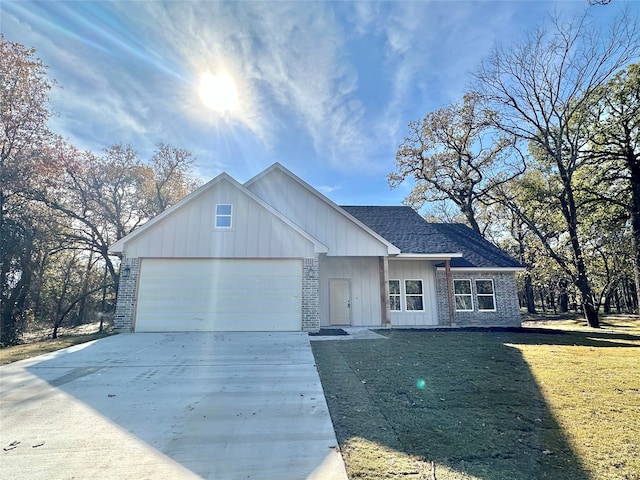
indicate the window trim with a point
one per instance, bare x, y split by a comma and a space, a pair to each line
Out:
421, 295
219, 216
398, 295
492, 295
456, 295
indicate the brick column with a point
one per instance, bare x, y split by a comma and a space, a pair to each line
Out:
310, 295
125, 303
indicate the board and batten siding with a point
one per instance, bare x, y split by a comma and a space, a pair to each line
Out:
363, 276
415, 270
190, 231
314, 215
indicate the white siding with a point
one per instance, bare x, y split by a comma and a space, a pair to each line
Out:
316, 217
413, 270
191, 232
363, 274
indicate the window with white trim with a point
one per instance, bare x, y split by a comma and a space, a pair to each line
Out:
462, 295
223, 215
485, 295
413, 295
394, 295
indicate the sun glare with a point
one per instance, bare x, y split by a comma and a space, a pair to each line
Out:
218, 92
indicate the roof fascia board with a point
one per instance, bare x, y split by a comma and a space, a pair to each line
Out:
428, 256
318, 247
118, 246
483, 269
391, 248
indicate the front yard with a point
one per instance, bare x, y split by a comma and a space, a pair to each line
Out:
531, 404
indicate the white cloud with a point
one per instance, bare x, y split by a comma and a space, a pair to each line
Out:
288, 63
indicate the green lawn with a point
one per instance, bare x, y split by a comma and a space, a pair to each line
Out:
556, 404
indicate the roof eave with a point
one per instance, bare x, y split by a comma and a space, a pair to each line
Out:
484, 269
429, 256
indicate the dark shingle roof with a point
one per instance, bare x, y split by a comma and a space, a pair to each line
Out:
408, 231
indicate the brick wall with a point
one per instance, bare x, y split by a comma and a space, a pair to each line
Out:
310, 295
506, 298
125, 304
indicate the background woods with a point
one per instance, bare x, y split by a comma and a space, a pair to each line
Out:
550, 167
61, 208
541, 156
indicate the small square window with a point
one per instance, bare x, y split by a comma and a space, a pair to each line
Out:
223, 215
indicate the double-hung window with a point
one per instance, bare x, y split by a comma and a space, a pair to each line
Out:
223, 215
412, 298
485, 295
462, 295
394, 295
413, 295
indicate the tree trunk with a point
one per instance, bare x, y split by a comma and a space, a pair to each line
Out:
570, 212
563, 296
80, 319
528, 294
542, 300
634, 168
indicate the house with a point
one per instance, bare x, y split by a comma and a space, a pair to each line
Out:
275, 254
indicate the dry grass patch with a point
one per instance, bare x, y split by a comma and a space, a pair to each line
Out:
520, 404
28, 350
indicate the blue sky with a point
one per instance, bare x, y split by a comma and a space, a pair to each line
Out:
325, 88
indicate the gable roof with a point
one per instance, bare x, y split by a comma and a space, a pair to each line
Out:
392, 249
406, 229
119, 246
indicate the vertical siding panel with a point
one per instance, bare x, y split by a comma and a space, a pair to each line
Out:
239, 225
263, 237
408, 270
204, 228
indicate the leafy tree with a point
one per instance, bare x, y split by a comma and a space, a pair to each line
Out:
544, 89
60, 208
614, 173
453, 155
24, 112
107, 196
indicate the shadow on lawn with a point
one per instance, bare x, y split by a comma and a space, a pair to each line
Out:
465, 400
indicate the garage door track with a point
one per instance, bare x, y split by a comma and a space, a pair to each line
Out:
169, 405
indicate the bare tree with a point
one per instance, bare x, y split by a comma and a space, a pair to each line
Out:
453, 155
543, 89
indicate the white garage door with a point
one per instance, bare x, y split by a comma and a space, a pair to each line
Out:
219, 295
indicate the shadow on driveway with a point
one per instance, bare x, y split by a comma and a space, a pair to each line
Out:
210, 405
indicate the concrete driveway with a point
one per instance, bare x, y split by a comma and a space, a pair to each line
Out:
182, 405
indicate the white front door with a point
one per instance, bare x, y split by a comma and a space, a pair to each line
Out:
340, 302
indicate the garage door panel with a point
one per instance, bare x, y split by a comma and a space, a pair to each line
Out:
219, 295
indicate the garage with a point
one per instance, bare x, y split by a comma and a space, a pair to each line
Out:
219, 295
